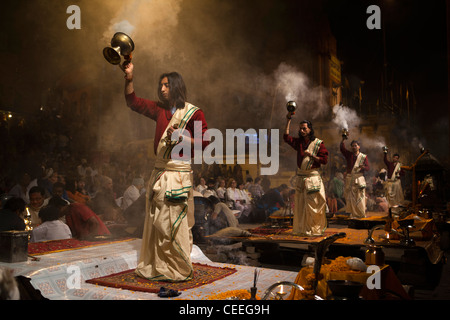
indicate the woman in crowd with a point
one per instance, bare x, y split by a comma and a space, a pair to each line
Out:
236, 201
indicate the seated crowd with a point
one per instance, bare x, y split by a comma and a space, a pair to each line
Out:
59, 206
85, 204
232, 201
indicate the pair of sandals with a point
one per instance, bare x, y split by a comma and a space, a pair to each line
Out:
164, 293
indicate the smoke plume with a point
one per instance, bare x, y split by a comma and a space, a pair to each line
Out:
294, 85
344, 117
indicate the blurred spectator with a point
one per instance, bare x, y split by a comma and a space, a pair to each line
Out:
255, 189
382, 204
202, 186
104, 203
135, 216
336, 190
60, 191
132, 193
48, 181
80, 185
8, 285
248, 182
210, 190
82, 221
73, 194
274, 199
221, 189
51, 227
21, 189
37, 201
11, 216
222, 216
265, 183
235, 199
84, 169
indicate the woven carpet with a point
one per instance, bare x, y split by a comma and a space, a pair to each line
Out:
203, 274
45, 247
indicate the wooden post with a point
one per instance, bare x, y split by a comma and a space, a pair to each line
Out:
414, 178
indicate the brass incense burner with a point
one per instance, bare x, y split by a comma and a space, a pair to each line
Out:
369, 239
291, 106
121, 45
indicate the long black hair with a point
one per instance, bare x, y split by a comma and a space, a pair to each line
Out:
311, 133
178, 94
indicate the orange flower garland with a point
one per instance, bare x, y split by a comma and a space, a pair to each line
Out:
238, 294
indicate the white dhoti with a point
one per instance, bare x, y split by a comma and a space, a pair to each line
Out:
167, 236
393, 188
310, 201
394, 192
355, 190
310, 204
355, 195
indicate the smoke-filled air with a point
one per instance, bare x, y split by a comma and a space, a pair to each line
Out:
234, 60
222, 52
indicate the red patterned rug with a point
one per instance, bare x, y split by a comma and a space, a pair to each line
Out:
45, 247
129, 280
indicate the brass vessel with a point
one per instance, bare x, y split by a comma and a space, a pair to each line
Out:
121, 45
375, 255
291, 106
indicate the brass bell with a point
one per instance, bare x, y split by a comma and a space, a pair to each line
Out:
121, 45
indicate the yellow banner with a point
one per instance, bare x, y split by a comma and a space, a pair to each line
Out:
335, 69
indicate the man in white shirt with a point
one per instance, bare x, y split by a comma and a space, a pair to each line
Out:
52, 228
37, 201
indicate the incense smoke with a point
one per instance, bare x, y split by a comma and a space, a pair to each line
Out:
345, 117
236, 67
295, 86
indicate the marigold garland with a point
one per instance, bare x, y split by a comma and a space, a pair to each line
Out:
238, 294
337, 265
